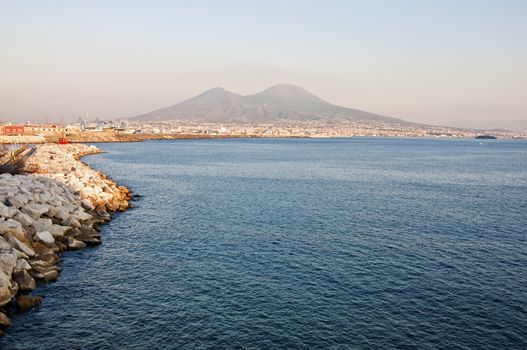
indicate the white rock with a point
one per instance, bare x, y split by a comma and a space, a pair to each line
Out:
8, 262
6, 176
72, 222
82, 215
87, 205
45, 197
20, 255
21, 264
24, 219
5, 288
46, 238
10, 190
24, 188
58, 231
42, 224
74, 244
55, 202
24, 280
4, 245
6, 211
35, 211
18, 201
11, 226
18, 245
60, 213
13, 223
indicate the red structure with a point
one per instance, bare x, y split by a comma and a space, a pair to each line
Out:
13, 130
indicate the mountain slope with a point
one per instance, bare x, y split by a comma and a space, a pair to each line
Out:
277, 102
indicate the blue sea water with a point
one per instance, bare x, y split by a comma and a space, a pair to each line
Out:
363, 243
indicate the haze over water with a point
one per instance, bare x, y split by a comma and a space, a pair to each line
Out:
331, 243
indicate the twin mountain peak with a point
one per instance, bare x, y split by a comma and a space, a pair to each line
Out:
279, 102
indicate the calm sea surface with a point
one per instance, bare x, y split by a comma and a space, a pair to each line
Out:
312, 244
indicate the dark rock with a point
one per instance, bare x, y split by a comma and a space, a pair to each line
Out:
24, 302
4, 321
50, 275
50, 259
74, 244
87, 239
61, 246
14, 288
41, 249
90, 232
41, 272
25, 282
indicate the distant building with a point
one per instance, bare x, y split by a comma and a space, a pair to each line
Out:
11, 130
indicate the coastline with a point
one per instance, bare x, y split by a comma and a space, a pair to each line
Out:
113, 138
120, 137
55, 206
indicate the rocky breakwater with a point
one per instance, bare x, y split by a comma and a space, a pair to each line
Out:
54, 208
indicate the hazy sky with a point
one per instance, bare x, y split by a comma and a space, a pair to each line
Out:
443, 62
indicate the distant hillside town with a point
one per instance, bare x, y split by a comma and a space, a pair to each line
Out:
122, 130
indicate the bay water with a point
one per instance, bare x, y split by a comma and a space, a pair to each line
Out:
366, 243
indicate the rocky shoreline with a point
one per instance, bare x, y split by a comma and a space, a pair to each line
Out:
55, 207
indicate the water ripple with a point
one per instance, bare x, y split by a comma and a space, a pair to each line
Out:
299, 244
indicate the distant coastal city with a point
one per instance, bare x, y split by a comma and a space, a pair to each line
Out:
282, 110
101, 130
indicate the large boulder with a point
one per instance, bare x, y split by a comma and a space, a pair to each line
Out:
71, 222
58, 231
18, 245
81, 215
22, 264
26, 283
24, 302
50, 275
49, 259
35, 211
20, 255
18, 201
5, 288
13, 289
8, 261
42, 224
45, 197
86, 204
46, 238
7, 212
7, 265
90, 231
74, 244
4, 245
61, 213
56, 202
11, 226
41, 249
88, 240
24, 219
4, 321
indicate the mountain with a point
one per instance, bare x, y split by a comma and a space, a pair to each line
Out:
281, 101
516, 125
